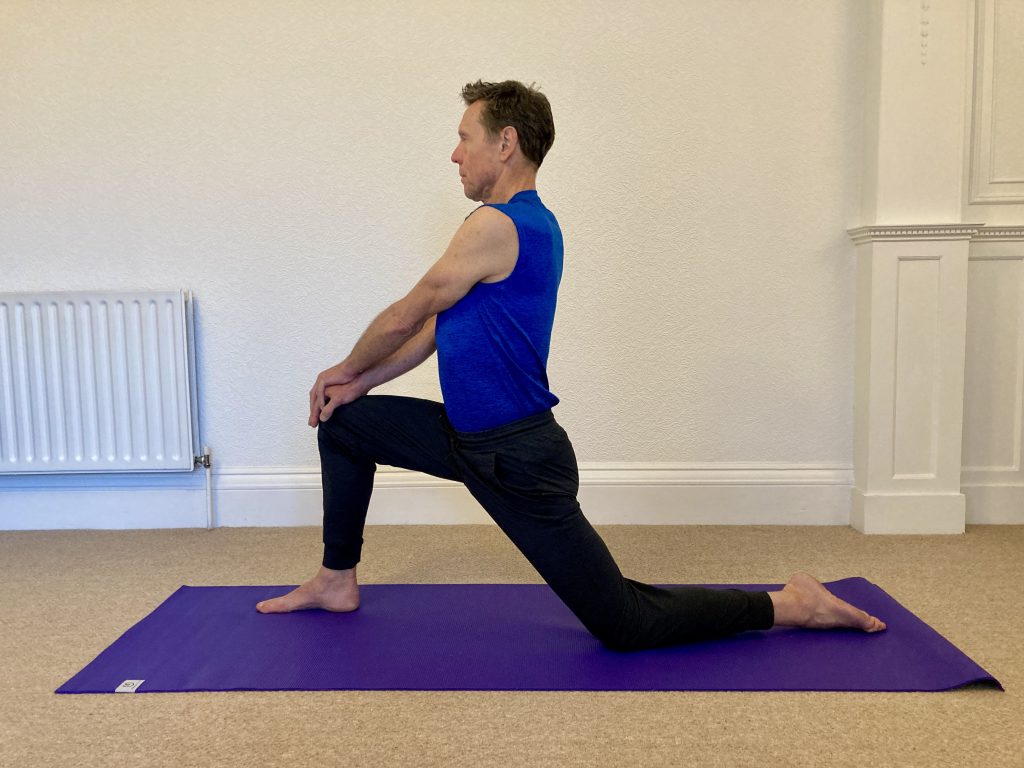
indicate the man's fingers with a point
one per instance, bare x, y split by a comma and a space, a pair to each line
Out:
334, 399
328, 409
320, 406
316, 403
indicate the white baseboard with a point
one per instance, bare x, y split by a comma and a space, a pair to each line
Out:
665, 494
995, 504
637, 494
908, 513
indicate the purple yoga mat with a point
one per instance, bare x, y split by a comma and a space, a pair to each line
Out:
499, 637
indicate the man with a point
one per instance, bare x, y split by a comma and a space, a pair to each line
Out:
487, 307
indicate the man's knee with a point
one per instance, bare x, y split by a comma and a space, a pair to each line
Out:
365, 409
341, 427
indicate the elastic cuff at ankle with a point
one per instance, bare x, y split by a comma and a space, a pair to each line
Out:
339, 558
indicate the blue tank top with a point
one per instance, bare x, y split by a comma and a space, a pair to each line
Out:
492, 344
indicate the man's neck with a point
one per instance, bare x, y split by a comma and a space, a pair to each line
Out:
509, 185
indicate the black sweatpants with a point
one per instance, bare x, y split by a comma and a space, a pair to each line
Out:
524, 475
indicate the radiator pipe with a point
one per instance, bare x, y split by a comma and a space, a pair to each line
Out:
207, 461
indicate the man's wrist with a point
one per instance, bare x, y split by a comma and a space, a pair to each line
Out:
347, 370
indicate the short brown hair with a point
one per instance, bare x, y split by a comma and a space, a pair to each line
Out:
523, 107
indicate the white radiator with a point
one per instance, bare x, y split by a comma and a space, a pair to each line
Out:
97, 382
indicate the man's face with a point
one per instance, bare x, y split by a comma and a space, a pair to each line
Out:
476, 155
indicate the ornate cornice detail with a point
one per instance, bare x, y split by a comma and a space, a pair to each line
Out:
925, 6
899, 232
994, 233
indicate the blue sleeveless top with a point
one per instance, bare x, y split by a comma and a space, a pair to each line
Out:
492, 344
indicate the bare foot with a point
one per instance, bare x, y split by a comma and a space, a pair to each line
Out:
330, 590
804, 602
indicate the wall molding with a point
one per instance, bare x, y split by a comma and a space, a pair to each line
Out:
610, 493
976, 233
994, 504
598, 474
910, 232
999, 234
987, 185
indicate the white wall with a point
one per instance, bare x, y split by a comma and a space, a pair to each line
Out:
288, 162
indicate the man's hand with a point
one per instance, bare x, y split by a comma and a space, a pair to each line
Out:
341, 394
336, 377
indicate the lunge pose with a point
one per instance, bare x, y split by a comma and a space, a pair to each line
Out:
487, 308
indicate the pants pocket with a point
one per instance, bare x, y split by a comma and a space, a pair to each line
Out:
540, 469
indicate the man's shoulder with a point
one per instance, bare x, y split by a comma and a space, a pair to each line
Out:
488, 225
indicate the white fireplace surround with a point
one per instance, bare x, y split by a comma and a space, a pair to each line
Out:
911, 435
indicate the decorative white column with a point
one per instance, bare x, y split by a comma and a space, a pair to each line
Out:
909, 389
912, 256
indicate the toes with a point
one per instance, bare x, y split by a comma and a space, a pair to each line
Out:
867, 622
275, 605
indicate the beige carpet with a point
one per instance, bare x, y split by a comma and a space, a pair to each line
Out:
67, 595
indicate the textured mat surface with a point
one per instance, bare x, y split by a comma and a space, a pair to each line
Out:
498, 637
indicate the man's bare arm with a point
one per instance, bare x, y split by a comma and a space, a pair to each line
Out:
414, 352
410, 355
486, 246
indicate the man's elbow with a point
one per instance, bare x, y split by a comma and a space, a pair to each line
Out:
401, 324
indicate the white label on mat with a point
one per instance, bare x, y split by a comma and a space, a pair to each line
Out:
129, 686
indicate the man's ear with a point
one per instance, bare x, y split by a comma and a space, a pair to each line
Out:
509, 137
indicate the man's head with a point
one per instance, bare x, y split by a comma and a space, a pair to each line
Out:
507, 127
512, 104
